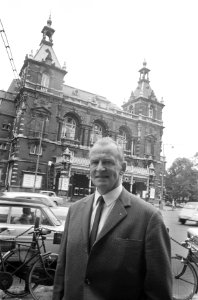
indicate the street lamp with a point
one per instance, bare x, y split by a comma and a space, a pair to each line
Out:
65, 172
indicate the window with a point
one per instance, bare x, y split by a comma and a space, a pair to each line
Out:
4, 214
22, 215
122, 139
6, 126
3, 146
96, 133
37, 126
34, 149
148, 148
151, 112
1, 173
69, 128
45, 82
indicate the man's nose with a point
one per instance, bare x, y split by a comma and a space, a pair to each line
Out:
100, 166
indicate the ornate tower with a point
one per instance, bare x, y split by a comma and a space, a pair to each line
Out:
40, 93
144, 105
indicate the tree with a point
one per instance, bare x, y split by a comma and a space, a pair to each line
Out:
182, 181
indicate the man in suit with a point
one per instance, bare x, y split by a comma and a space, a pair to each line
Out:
129, 258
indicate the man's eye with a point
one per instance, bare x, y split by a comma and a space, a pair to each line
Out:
107, 162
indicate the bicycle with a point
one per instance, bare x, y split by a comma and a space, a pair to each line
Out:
185, 271
31, 270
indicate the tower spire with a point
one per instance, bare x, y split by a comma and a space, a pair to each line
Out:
144, 73
47, 32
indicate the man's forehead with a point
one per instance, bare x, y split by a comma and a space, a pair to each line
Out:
110, 149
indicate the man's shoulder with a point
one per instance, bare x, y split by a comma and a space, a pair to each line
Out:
82, 201
136, 202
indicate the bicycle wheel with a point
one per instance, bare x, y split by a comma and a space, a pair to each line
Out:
184, 279
41, 277
13, 261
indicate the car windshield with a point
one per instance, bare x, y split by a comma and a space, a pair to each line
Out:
53, 217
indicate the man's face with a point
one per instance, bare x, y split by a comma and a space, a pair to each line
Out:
105, 167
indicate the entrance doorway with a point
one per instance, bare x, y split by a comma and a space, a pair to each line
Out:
80, 186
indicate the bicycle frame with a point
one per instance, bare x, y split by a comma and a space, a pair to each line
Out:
190, 259
26, 264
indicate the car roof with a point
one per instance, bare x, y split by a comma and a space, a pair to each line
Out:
19, 201
35, 197
11, 194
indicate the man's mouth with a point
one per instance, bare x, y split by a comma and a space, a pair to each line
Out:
101, 176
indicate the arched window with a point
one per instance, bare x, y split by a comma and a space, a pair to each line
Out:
122, 139
45, 82
69, 128
96, 134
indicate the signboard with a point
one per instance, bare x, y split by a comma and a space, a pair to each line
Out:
63, 184
28, 181
152, 193
144, 194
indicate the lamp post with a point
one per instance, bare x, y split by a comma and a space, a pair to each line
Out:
63, 186
163, 169
151, 194
39, 153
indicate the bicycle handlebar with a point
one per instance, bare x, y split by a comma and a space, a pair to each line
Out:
41, 231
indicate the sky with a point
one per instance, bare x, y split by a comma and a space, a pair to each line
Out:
104, 44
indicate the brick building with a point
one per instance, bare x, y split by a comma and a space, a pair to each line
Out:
45, 122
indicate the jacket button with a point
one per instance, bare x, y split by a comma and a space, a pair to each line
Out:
87, 281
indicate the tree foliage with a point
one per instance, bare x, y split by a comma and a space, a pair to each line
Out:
182, 181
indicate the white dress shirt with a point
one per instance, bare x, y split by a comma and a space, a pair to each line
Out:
109, 199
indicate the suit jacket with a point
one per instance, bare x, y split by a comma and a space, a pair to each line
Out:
129, 260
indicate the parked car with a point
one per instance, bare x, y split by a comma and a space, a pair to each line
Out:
30, 196
12, 217
192, 232
189, 212
53, 196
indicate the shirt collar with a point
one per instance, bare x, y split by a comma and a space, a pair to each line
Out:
109, 197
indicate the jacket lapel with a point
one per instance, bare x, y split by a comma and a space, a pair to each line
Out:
117, 214
86, 215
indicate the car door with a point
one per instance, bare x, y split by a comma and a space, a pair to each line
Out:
10, 218
16, 227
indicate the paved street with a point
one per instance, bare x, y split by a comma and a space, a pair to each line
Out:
176, 230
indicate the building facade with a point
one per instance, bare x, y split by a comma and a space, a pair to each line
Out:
51, 127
